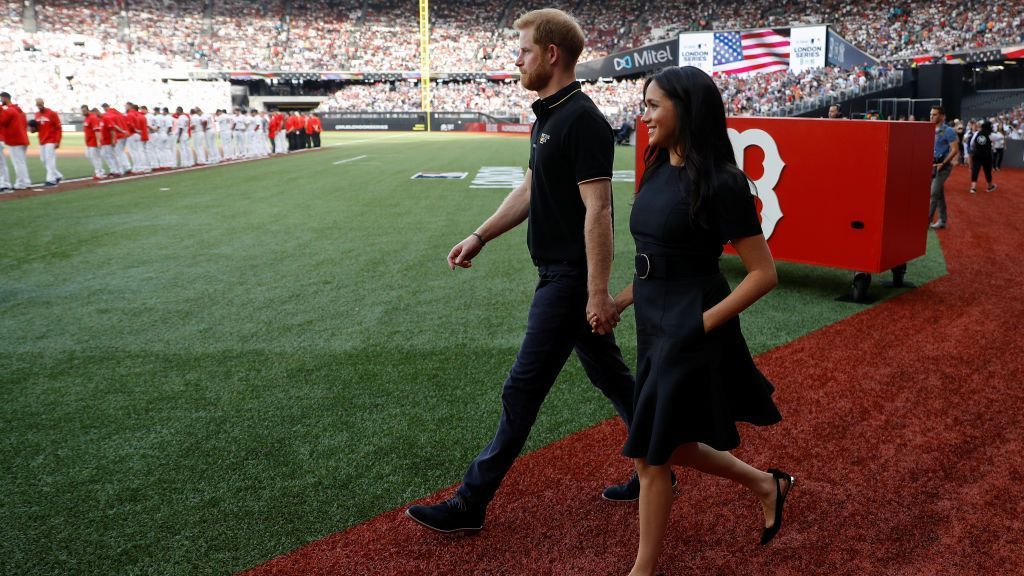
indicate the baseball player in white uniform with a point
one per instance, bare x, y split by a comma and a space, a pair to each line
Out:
225, 125
198, 135
169, 152
152, 147
182, 125
241, 128
209, 126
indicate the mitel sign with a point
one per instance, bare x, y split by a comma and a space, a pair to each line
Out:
641, 60
645, 58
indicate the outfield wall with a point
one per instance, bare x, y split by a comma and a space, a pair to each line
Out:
416, 122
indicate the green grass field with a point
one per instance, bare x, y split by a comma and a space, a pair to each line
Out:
203, 370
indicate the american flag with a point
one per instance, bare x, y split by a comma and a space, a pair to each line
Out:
754, 51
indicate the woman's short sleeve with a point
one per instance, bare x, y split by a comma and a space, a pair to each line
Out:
734, 208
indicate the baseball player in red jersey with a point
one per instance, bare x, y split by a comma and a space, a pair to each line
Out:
50, 132
317, 127
110, 132
91, 128
14, 134
280, 138
119, 129
5, 176
134, 141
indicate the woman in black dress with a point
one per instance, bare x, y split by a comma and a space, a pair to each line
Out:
695, 376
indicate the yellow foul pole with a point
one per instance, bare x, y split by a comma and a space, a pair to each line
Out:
425, 60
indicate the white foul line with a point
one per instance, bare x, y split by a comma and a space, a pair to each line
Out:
349, 160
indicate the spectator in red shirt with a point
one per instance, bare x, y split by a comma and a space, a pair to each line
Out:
91, 127
14, 134
50, 133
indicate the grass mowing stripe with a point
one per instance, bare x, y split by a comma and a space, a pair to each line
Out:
200, 378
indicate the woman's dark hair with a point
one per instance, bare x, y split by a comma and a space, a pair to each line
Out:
700, 133
986, 127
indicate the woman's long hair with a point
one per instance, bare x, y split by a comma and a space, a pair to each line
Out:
700, 133
986, 128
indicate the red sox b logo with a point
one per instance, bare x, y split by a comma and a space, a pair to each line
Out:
763, 187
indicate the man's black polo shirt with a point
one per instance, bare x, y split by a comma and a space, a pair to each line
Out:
571, 143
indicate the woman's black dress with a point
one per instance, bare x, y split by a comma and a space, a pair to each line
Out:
690, 386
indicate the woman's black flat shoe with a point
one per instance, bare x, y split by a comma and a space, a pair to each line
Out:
780, 500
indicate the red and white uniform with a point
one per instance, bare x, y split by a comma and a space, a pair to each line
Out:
280, 137
50, 133
134, 141
121, 137
14, 134
109, 137
92, 144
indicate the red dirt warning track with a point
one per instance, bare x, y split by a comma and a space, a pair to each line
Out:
903, 425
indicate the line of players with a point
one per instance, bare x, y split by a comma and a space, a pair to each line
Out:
139, 141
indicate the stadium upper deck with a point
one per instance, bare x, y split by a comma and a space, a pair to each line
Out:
476, 35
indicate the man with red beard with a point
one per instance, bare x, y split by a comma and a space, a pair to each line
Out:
567, 197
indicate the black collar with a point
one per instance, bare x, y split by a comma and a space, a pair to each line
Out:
546, 105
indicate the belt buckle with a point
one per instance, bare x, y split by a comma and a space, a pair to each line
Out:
647, 271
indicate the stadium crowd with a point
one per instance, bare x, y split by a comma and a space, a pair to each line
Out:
81, 49
769, 94
477, 35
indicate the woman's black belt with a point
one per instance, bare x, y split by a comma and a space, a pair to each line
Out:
653, 267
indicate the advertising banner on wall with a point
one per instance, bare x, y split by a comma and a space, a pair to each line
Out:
807, 47
845, 55
697, 49
639, 61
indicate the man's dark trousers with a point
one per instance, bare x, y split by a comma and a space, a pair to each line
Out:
557, 324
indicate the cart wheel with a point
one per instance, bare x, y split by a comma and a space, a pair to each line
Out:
861, 282
897, 275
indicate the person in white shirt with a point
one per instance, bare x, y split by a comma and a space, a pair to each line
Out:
225, 124
168, 153
241, 129
265, 148
254, 134
182, 123
212, 154
998, 147
198, 135
152, 148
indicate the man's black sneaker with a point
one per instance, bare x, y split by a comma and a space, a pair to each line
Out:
452, 515
630, 491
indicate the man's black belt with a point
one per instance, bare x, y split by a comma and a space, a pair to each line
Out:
653, 267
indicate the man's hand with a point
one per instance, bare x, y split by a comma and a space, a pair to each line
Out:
602, 314
462, 253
